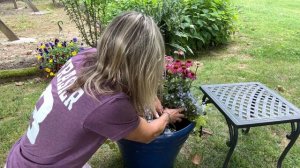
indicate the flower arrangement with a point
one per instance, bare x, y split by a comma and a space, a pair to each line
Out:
53, 55
179, 76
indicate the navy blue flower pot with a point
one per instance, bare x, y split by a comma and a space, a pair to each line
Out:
160, 153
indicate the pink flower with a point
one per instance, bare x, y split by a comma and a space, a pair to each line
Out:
189, 63
177, 62
169, 67
183, 69
179, 70
175, 69
169, 58
191, 75
179, 52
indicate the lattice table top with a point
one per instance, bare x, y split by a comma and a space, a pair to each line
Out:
251, 104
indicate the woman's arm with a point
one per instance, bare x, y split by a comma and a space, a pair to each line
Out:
146, 132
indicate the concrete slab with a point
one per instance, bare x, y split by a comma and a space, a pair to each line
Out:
21, 8
21, 41
40, 13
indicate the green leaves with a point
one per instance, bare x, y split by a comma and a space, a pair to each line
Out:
189, 25
177, 46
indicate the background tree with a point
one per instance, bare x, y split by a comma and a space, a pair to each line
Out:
89, 17
15, 4
31, 5
7, 32
57, 4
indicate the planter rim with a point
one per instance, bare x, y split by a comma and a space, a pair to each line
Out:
173, 135
178, 133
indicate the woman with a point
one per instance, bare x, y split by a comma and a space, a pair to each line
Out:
98, 95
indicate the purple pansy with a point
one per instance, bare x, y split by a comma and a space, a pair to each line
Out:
75, 39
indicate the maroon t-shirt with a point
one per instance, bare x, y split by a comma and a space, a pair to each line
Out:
67, 129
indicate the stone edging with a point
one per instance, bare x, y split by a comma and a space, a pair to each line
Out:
13, 75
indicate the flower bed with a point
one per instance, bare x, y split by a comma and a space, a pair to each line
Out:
53, 55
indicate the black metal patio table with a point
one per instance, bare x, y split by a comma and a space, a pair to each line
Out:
252, 104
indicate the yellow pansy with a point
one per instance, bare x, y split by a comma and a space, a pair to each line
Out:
52, 74
71, 44
59, 45
39, 57
74, 53
43, 46
47, 69
51, 60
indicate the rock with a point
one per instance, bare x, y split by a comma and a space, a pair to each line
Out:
204, 131
19, 83
196, 159
242, 66
280, 88
29, 52
37, 80
22, 60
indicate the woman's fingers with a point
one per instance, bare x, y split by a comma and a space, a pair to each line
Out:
175, 114
178, 119
179, 110
155, 114
158, 107
180, 115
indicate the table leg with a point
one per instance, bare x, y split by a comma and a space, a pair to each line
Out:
246, 130
204, 99
233, 138
288, 136
293, 137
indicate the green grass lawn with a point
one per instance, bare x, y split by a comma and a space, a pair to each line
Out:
265, 49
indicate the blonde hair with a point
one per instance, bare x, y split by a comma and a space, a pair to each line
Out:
129, 59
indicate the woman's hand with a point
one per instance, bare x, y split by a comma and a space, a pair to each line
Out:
147, 131
174, 114
158, 107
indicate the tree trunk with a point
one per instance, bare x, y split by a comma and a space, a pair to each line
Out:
7, 32
31, 5
57, 4
15, 4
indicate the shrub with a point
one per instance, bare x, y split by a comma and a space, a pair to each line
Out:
206, 23
189, 25
53, 55
90, 17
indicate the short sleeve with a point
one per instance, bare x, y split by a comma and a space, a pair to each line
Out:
114, 119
